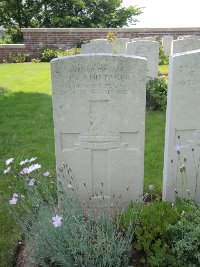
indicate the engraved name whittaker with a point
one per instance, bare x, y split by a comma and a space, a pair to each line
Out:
89, 84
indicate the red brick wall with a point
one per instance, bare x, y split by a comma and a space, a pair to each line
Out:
34, 38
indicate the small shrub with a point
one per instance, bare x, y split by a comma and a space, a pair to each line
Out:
47, 53
156, 94
20, 58
68, 52
163, 57
35, 60
152, 240
185, 235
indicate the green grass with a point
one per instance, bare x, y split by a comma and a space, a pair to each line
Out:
26, 130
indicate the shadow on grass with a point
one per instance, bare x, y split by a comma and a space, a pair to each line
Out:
26, 130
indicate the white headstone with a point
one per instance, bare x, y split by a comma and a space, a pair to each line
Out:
120, 45
99, 41
149, 50
188, 37
183, 128
147, 38
179, 46
91, 48
167, 44
99, 118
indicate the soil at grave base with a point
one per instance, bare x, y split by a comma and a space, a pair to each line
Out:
22, 257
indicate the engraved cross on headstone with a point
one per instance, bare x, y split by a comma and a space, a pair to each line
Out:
100, 140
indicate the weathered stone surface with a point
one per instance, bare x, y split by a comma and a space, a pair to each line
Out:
99, 118
120, 45
99, 41
167, 44
91, 48
183, 128
149, 50
179, 46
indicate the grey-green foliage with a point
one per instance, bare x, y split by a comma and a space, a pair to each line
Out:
85, 239
186, 237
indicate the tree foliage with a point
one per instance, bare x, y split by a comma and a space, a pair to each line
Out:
16, 14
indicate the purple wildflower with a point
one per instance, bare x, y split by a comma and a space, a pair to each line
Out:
24, 171
31, 182
13, 201
46, 174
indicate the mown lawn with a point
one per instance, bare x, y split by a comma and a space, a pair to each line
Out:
26, 130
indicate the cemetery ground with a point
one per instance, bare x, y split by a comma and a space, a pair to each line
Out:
27, 131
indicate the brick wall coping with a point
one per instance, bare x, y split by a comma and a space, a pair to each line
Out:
12, 46
150, 30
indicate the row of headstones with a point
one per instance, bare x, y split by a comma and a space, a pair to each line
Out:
181, 44
99, 122
146, 47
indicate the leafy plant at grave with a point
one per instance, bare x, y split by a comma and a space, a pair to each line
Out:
185, 235
35, 60
163, 57
153, 241
156, 94
20, 58
68, 234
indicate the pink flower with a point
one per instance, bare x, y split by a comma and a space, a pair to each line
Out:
57, 221
23, 162
7, 170
32, 159
13, 201
31, 182
24, 171
8, 161
31, 168
46, 174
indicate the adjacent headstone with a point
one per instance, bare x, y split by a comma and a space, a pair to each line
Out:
182, 136
120, 45
99, 41
188, 37
147, 38
149, 50
167, 44
179, 46
99, 118
91, 48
